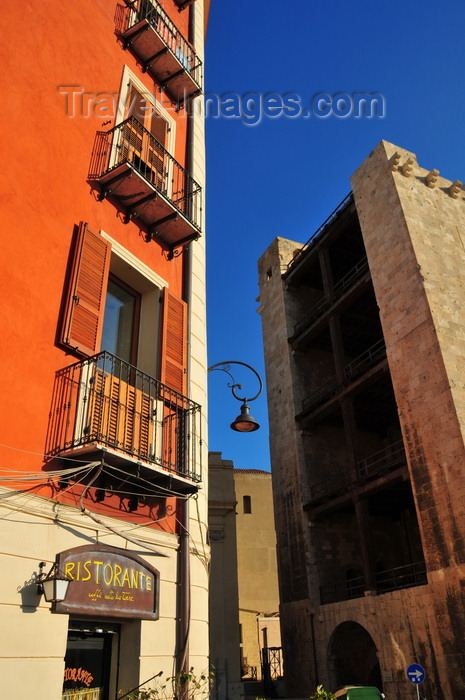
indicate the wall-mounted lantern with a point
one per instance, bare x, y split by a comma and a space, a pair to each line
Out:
53, 585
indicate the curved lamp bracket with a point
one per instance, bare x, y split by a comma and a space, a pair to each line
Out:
244, 423
226, 367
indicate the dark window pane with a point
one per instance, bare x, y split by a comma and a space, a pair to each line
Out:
118, 325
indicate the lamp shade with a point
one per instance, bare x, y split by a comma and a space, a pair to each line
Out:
245, 423
55, 585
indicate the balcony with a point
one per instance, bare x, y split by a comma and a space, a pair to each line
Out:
382, 462
104, 408
385, 581
379, 464
147, 31
342, 293
335, 485
368, 360
182, 4
300, 255
132, 168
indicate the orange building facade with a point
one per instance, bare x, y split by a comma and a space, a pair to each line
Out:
103, 346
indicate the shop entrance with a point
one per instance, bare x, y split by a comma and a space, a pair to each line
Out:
90, 661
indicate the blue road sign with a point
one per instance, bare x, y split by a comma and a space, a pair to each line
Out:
416, 674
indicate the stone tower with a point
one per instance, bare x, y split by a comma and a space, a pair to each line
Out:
363, 335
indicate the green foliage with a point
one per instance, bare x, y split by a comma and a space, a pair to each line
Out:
185, 685
322, 694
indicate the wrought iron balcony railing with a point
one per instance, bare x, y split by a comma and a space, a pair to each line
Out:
323, 393
129, 164
158, 44
104, 402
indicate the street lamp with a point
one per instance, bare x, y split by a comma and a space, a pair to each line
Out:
244, 423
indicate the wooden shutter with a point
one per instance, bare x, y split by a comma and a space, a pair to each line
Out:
132, 132
85, 302
135, 104
174, 346
159, 129
119, 414
157, 155
136, 145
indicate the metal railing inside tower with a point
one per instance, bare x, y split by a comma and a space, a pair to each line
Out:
370, 358
298, 256
338, 290
393, 579
375, 465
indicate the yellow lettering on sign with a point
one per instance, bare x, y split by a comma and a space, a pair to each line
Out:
109, 574
126, 578
116, 574
88, 572
97, 573
105, 577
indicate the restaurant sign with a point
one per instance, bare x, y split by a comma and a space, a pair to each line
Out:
108, 582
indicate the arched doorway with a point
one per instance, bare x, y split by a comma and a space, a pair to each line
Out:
352, 657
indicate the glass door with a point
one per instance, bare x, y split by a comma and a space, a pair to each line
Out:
88, 661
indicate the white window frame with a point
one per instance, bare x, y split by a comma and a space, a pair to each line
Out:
129, 78
150, 286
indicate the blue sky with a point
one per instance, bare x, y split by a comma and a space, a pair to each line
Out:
284, 175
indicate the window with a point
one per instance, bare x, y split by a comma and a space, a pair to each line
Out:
144, 138
247, 504
103, 311
121, 321
148, 133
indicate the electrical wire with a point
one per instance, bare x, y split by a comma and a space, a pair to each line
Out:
120, 533
45, 478
40, 479
98, 471
201, 526
38, 454
202, 556
153, 521
17, 475
164, 491
77, 482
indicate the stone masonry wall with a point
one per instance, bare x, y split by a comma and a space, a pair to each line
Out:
283, 392
415, 625
413, 225
416, 255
